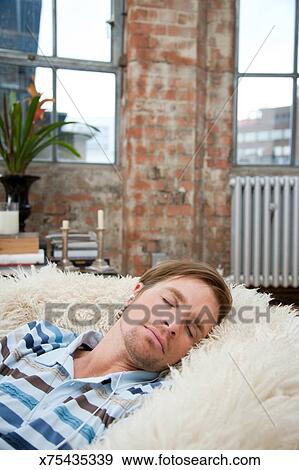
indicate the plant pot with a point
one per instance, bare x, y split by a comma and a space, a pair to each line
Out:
17, 190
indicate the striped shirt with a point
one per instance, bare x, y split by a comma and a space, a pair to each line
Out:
42, 404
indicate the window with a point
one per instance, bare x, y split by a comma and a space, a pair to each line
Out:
266, 78
72, 48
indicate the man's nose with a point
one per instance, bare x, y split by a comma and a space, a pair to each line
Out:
171, 328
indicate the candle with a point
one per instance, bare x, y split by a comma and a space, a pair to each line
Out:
9, 222
65, 224
100, 219
9, 218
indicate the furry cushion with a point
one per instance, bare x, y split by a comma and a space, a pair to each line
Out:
238, 389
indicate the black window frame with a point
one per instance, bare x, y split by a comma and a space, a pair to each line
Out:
115, 66
295, 77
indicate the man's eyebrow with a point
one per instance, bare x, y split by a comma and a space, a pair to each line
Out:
178, 294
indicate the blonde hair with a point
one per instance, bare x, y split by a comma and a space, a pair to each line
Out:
195, 270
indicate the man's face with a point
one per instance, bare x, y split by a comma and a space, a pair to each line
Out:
166, 320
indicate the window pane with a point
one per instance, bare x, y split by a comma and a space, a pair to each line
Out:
256, 21
26, 25
44, 85
82, 31
264, 121
87, 97
14, 81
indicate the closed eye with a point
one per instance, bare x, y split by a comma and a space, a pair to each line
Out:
189, 331
166, 302
200, 328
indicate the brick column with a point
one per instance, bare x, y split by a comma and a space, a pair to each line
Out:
167, 166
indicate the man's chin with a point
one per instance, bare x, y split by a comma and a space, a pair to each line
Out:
142, 350
143, 358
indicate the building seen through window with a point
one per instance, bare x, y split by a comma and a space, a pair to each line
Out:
266, 137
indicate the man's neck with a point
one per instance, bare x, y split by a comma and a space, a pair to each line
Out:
107, 357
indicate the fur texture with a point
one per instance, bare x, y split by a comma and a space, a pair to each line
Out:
238, 389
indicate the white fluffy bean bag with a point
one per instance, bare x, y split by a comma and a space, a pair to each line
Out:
239, 389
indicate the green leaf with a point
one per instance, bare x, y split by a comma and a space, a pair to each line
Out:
91, 127
48, 143
6, 120
16, 131
51, 127
39, 136
3, 151
3, 129
29, 117
35, 140
69, 147
61, 124
27, 146
16, 123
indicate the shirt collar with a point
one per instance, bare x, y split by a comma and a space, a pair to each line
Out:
132, 377
63, 355
91, 338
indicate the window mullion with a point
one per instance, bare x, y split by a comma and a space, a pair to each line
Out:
236, 83
54, 113
117, 12
57, 62
54, 25
294, 115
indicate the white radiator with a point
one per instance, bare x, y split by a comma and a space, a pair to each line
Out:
265, 230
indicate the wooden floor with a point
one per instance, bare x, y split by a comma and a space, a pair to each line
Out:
284, 295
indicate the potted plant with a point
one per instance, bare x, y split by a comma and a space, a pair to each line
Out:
23, 136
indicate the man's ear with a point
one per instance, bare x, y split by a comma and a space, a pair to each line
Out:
138, 287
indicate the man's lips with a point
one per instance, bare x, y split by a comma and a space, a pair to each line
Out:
157, 336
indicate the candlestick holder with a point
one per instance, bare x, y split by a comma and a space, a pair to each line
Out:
99, 265
65, 264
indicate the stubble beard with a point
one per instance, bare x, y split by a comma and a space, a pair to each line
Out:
142, 361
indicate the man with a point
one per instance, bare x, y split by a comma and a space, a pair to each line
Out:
59, 390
